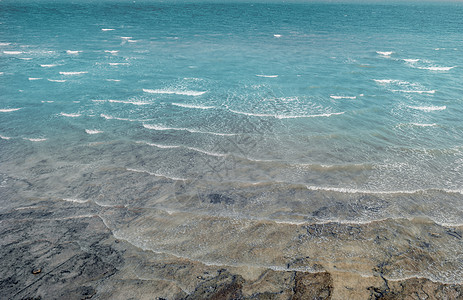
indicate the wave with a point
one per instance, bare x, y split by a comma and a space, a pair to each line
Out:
43, 101
12, 52
5, 44
388, 81
107, 29
359, 191
192, 78
277, 35
114, 80
70, 115
411, 60
285, 116
126, 102
25, 58
176, 92
93, 131
48, 66
207, 152
155, 174
35, 139
436, 68
162, 128
4, 137
192, 106
343, 97
9, 109
107, 117
111, 51
159, 146
126, 37
118, 64
73, 51
73, 73
57, 80
418, 92
429, 108
268, 76
424, 125
339, 167
384, 53
34, 78
75, 200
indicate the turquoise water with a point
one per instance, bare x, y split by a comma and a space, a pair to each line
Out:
351, 109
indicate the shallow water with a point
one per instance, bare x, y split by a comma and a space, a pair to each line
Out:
237, 125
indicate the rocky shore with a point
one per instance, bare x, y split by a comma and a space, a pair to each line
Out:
64, 250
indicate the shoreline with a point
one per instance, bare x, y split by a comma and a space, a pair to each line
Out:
75, 255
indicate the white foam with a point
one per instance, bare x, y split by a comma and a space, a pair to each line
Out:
48, 66
47, 101
285, 116
207, 152
359, 191
159, 145
35, 140
12, 52
412, 91
73, 73
9, 109
176, 92
343, 97
4, 137
192, 106
75, 200
1, 73
277, 35
114, 80
162, 128
25, 58
5, 44
436, 68
107, 117
70, 115
34, 78
132, 41
107, 29
126, 37
428, 108
424, 125
268, 76
73, 52
388, 81
129, 102
56, 80
192, 78
118, 64
93, 131
112, 51
384, 53
156, 174
411, 60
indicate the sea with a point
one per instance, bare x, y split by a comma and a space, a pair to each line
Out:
244, 133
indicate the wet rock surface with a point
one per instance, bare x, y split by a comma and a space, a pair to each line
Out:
416, 288
64, 250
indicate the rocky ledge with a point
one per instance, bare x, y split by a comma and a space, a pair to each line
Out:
57, 250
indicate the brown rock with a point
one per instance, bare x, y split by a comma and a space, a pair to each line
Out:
225, 286
312, 286
417, 288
